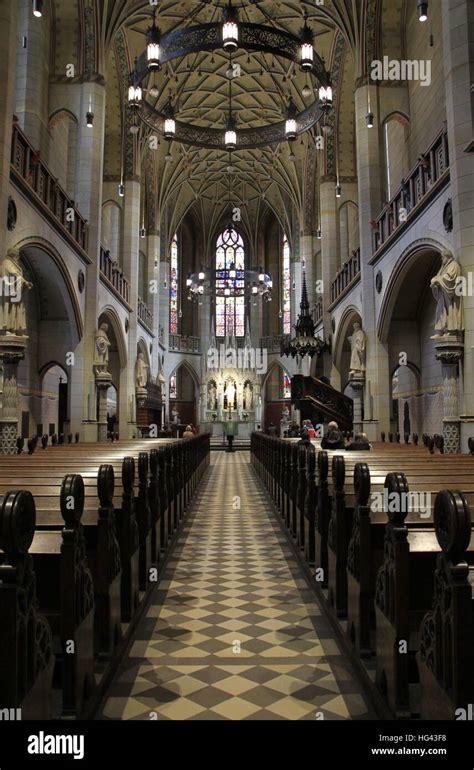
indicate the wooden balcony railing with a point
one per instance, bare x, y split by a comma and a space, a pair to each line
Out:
145, 315
430, 167
344, 277
183, 344
111, 270
27, 163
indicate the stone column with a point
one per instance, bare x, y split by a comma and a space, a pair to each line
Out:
32, 81
131, 248
103, 380
8, 46
357, 385
369, 165
449, 351
329, 253
12, 351
153, 299
458, 46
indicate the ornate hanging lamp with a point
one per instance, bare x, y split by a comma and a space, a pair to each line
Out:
304, 343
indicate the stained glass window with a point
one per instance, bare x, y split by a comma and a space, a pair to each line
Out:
286, 285
230, 284
286, 386
173, 388
174, 277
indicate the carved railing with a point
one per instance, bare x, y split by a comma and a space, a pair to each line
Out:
27, 164
318, 310
323, 399
274, 343
144, 314
344, 277
429, 168
111, 270
183, 344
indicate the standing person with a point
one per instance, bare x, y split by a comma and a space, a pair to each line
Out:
194, 429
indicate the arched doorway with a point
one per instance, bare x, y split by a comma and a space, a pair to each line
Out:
54, 328
183, 389
406, 326
277, 395
54, 401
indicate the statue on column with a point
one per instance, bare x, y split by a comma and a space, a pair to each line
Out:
212, 396
141, 372
357, 342
445, 290
12, 282
175, 416
102, 345
248, 396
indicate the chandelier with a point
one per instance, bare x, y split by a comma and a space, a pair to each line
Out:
230, 34
232, 280
304, 343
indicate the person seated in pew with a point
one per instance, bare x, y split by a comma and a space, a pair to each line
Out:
334, 438
359, 443
305, 437
294, 430
188, 433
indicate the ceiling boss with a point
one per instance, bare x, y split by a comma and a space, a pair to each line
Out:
232, 35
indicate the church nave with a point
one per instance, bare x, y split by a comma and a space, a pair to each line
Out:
232, 579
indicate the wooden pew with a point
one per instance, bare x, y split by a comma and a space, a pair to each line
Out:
445, 659
26, 649
366, 545
66, 596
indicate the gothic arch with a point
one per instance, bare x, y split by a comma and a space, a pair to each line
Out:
57, 272
114, 319
350, 314
398, 274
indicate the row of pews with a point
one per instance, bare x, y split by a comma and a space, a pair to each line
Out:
390, 547
84, 530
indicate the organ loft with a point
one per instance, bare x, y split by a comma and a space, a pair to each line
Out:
236, 363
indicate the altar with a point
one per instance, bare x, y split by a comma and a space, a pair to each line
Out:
230, 396
218, 429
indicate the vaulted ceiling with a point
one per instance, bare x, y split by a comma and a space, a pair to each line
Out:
182, 179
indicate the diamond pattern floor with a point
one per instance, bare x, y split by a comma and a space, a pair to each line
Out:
233, 631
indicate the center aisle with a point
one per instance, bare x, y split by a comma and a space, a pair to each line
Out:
233, 630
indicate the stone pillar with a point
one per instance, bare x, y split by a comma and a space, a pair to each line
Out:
329, 253
357, 385
32, 82
153, 298
88, 196
131, 248
8, 40
458, 46
12, 351
103, 380
369, 165
449, 351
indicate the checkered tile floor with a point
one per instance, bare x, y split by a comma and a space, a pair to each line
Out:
233, 631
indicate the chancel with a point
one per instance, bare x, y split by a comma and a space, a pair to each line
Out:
236, 241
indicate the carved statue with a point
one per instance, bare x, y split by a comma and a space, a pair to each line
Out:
212, 396
248, 396
357, 341
141, 372
102, 345
175, 416
12, 281
449, 299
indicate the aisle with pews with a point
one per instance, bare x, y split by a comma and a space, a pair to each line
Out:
233, 630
